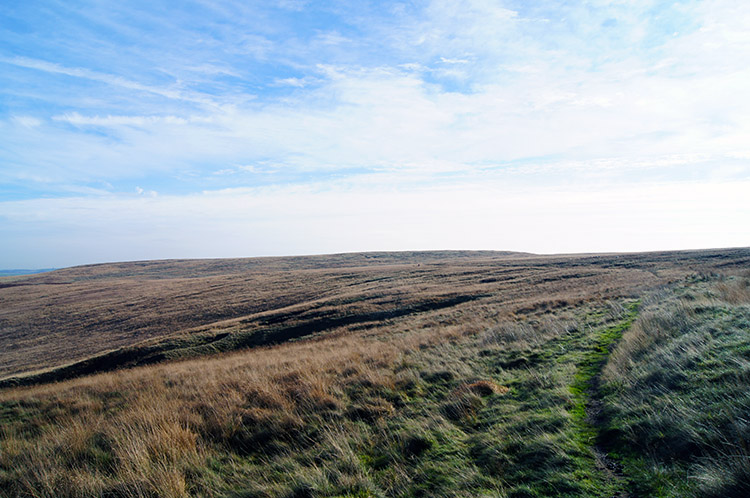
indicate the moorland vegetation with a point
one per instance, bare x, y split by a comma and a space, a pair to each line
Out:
385, 374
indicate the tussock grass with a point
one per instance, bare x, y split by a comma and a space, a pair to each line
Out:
432, 411
679, 393
156, 430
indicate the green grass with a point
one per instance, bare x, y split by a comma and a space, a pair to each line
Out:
586, 382
548, 442
678, 397
427, 436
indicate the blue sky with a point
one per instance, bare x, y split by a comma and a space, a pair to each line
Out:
140, 130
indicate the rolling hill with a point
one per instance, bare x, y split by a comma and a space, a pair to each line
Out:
449, 373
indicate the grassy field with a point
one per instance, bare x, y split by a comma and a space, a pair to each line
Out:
376, 375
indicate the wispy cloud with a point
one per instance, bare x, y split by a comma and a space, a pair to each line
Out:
26, 121
295, 82
108, 79
75, 118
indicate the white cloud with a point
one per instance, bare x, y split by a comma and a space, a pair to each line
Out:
75, 118
391, 119
453, 61
331, 218
148, 193
295, 82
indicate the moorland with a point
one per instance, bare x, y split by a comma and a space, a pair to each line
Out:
449, 373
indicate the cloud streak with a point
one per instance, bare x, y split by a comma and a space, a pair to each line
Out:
108, 79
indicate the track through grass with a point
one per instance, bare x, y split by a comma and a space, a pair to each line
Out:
588, 397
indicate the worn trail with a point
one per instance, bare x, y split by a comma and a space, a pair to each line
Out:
587, 412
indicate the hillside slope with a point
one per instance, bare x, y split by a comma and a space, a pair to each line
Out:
69, 315
495, 378
72, 314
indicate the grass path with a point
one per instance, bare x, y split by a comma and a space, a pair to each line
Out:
587, 412
547, 431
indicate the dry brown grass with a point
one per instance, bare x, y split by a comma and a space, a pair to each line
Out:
735, 291
159, 422
68, 315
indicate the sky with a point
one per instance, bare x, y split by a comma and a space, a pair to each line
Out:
153, 129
